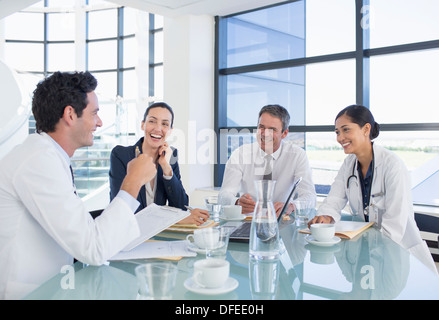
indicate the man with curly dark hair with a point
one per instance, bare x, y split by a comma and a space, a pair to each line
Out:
43, 223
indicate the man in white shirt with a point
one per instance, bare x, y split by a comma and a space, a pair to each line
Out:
43, 223
268, 158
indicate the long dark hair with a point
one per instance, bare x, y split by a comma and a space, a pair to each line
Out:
361, 115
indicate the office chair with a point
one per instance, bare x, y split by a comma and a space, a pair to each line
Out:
429, 223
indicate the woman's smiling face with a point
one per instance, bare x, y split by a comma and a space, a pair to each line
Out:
351, 136
157, 126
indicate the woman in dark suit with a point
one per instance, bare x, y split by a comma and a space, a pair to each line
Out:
166, 187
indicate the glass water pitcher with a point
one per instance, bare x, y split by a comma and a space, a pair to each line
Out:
264, 232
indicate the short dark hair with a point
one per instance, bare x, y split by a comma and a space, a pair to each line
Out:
361, 115
279, 112
160, 105
56, 92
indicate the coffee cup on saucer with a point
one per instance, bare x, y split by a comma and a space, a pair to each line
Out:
323, 232
206, 238
232, 211
211, 273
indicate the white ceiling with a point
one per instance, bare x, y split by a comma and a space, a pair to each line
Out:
174, 8
8, 7
169, 8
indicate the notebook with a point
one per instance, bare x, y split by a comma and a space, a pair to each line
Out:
242, 233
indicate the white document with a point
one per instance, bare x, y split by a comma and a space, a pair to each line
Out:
349, 225
154, 219
157, 249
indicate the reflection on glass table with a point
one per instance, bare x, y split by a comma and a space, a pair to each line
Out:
370, 266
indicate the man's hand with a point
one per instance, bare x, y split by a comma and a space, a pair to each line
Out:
278, 208
140, 171
247, 203
321, 219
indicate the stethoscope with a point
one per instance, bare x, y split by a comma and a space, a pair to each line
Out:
353, 175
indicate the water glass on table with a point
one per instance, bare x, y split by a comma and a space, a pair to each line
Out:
220, 250
213, 205
303, 210
156, 280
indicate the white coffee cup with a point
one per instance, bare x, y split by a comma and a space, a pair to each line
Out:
206, 238
211, 273
232, 211
323, 232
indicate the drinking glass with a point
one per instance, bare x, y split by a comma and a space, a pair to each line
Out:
303, 211
220, 250
156, 280
213, 205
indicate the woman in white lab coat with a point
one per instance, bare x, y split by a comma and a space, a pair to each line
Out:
375, 182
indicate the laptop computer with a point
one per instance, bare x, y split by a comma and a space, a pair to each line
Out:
242, 233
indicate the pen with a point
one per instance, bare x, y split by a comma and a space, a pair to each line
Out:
379, 194
189, 208
137, 151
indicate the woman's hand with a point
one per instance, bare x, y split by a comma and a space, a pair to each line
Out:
165, 154
321, 219
197, 217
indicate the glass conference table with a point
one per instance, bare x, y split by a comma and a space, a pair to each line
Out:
370, 266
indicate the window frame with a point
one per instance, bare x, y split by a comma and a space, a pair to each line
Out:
362, 55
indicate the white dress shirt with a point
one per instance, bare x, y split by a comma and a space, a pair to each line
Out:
247, 163
44, 224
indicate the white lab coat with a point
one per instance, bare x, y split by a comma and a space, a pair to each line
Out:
392, 206
290, 163
44, 224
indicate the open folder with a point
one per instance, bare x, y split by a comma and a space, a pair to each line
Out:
153, 220
189, 228
347, 229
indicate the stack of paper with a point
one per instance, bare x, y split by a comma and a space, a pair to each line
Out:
157, 249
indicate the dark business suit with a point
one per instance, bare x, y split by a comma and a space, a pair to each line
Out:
170, 191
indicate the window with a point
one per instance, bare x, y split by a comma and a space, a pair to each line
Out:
265, 35
397, 22
330, 26
45, 38
316, 57
410, 80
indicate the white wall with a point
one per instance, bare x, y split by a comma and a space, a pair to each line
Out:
189, 89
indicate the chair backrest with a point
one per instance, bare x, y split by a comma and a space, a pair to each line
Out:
429, 223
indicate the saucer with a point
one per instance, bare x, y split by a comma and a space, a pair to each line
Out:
194, 248
230, 285
309, 238
242, 217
